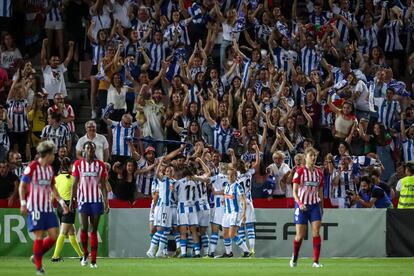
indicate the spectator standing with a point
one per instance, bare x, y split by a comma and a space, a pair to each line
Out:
122, 134
5, 125
102, 146
279, 170
124, 187
117, 93
57, 132
9, 53
15, 164
65, 110
107, 67
153, 113
54, 25
53, 70
405, 189
37, 117
76, 13
9, 183
17, 113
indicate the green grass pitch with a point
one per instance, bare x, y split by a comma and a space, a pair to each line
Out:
216, 267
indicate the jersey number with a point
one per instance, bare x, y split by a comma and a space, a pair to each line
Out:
188, 188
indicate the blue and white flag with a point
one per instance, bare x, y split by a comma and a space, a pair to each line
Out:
240, 23
399, 87
195, 12
283, 30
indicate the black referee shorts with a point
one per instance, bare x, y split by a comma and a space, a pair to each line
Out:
68, 218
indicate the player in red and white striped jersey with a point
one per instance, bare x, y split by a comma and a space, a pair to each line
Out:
89, 191
308, 194
36, 187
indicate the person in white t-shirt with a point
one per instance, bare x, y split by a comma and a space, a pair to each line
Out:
53, 70
8, 52
102, 145
279, 170
364, 100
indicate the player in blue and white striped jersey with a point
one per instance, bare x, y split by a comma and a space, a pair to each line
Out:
185, 189
234, 214
218, 183
155, 238
165, 210
244, 178
203, 211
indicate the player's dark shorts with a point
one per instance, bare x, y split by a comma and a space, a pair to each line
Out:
91, 209
68, 218
311, 214
41, 221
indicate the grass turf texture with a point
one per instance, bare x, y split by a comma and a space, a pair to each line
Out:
184, 267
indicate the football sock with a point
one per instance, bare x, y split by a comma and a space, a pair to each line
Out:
204, 242
251, 236
196, 248
59, 245
316, 248
237, 240
213, 242
177, 239
37, 253
163, 243
190, 243
47, 244
155, 241
84, 242
242, 232
296, 247
75, 245
183, 245
94, 246
227, 245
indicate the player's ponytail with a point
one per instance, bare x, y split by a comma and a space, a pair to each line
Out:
65, 166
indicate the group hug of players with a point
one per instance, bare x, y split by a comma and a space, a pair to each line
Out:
181, 207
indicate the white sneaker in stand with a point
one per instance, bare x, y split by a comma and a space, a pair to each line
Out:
93, 115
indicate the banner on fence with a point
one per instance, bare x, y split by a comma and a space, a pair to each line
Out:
400, 233
15, 240
344, 233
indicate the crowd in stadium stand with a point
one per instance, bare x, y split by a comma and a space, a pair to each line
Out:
182, 79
